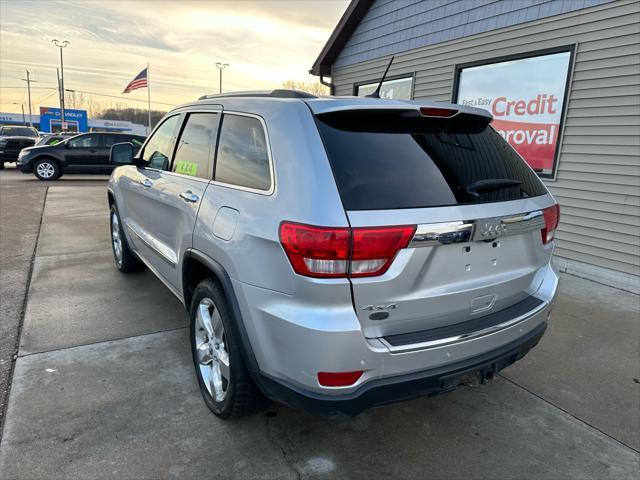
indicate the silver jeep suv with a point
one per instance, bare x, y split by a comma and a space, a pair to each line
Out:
338, 253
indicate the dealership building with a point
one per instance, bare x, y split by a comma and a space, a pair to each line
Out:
562, 80
49, 121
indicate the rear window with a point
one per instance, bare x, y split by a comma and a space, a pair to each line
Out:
19, 132
378, 171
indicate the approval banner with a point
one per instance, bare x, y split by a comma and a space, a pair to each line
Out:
526, 98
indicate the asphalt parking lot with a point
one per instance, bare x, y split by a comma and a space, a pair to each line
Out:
103, 385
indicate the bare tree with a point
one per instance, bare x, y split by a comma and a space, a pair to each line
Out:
314, 88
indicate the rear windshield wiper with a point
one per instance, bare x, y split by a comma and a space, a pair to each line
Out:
490, 185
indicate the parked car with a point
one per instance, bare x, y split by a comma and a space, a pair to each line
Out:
13, 139
338, 253
84, 153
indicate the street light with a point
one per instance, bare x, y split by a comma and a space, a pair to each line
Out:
61, 44
221, 66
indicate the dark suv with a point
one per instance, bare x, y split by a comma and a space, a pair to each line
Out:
85, 153
13, 139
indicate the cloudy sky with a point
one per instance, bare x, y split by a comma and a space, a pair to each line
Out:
265, 43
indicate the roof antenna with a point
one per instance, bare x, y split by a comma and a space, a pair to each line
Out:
376, 93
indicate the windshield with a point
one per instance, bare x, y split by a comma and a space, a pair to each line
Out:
377, 171
18, 132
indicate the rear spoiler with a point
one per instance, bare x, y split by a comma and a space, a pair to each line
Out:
411, 119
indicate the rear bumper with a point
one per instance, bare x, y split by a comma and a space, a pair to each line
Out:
402, 387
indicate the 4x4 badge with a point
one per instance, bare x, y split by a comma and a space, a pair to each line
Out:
371, 308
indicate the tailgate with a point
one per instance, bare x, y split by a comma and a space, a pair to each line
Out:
459, 266
476, 205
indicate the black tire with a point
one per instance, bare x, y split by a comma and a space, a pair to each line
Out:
1, 165
242, 397
126, 262
46, 165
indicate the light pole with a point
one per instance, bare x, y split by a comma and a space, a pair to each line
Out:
29, 81
221, 66
61, 44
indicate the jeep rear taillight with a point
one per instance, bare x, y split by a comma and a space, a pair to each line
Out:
327, 252
551, 219
375, 248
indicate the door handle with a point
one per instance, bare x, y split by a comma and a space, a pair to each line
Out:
145, 183
188, 196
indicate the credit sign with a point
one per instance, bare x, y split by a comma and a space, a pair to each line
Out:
526, 98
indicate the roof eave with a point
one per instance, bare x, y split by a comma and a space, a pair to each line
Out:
339, 37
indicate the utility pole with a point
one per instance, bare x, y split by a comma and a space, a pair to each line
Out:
28, 80
24, 120
221, 66
61, 44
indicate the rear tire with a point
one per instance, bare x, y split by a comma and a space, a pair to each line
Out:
125, 260
46, 169
1, 165
226, 386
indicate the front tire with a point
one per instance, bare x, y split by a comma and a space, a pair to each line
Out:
125, 260
46, 169
225, 384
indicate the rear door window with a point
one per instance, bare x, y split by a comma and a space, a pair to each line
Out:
195, 145
377, 171
243, 156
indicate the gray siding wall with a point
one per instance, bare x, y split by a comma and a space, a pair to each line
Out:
598, 179
392, 26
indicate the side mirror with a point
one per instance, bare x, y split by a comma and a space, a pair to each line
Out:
121, 154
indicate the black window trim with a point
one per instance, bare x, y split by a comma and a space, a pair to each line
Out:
272, 182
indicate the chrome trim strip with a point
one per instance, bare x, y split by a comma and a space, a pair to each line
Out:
164, 252
468, 336
482, 229
442, 233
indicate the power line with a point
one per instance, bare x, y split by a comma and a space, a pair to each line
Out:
32, 88
119, 97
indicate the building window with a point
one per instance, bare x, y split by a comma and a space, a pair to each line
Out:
526, 96
396, 88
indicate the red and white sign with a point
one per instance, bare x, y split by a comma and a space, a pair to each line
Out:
526, 98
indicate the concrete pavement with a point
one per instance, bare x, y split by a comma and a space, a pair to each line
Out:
104, 387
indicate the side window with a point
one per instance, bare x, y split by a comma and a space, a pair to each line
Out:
157, 153
193, 152
243, 157
111, 139
85, 141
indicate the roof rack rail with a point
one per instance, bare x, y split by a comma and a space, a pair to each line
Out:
277, 93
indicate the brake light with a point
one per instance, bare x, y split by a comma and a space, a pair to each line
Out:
338, 379
437, 112
551, 220
375, 248
316, 251
342, 252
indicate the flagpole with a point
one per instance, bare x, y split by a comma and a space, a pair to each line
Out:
149, 97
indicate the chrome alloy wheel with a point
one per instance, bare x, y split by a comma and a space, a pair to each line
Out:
211, 351
45, 170
115, 238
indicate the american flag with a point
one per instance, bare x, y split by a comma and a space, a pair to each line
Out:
139, 82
